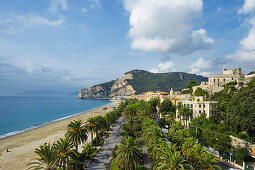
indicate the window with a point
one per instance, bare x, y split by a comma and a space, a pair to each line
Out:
204, 105
204, 111
200, 106
218, 80
213, 80
232, 78
191, 105
184, 105
199, 111
224, 80
187, 105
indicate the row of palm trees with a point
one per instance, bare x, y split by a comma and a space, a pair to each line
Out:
181, 153
64, 154
128, 153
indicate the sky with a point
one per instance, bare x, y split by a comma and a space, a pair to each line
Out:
61, 46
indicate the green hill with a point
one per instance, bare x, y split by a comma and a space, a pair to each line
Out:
138, 81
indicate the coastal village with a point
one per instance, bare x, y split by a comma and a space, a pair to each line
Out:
202, 104
152, 130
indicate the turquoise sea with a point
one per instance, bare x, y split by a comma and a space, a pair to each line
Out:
19, 114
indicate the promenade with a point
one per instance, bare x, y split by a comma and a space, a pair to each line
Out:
103, 158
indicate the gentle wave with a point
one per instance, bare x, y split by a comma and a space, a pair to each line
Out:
44, 124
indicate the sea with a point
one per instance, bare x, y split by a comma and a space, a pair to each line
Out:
19, 114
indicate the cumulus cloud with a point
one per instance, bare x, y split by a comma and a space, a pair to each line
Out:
55, 4
163, 67
246, 51
249, 6
35, 20
248, 43
166, 26
201, 67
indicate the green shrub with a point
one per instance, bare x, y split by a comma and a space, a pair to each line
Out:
242, 136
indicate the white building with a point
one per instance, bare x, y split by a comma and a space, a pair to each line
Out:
198, 105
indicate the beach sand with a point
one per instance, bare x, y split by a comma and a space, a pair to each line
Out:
23, 145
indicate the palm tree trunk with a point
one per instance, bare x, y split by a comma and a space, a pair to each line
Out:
91, 136
76, 146
131, 127
186, 123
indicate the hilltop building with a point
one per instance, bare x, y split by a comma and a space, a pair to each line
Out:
217, 83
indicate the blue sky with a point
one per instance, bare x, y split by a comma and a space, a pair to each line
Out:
60, 46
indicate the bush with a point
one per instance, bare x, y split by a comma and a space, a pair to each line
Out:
124, 133
242, 136
97, 142
240, 155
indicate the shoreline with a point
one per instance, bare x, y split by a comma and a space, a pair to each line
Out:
22, 145
17, 132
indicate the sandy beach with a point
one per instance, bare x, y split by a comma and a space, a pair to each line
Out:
22, 146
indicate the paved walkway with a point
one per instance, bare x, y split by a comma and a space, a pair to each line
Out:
103, 158
146, 159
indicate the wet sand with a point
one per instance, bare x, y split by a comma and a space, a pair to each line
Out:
21, 146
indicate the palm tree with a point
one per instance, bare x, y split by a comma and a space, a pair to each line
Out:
91, 126
128, 154
65, 152
170, 158
208, 161
185, 112
76, 133
180, 136
47, 160
129, 113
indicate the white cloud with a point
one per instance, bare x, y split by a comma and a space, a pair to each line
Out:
166, 26
35, 20
249, 6
246, 51
242, 56
248, 43
55, 4
219, 9
201, 67
163, 67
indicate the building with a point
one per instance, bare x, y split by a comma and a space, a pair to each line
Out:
198, 105
217, 83
151, 95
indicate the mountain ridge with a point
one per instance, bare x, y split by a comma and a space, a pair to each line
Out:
138, 81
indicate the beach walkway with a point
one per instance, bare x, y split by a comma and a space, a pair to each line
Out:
103, 158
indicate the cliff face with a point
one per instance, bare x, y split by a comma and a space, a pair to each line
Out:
138, 81
119, 87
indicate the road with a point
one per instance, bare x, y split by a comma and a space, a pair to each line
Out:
103, 158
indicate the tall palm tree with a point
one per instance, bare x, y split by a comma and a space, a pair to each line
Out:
129, 113
91, 126
170, 159
76, 133
47, 160
208, 161
128, 154
185, 112
65, 152
180, 136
